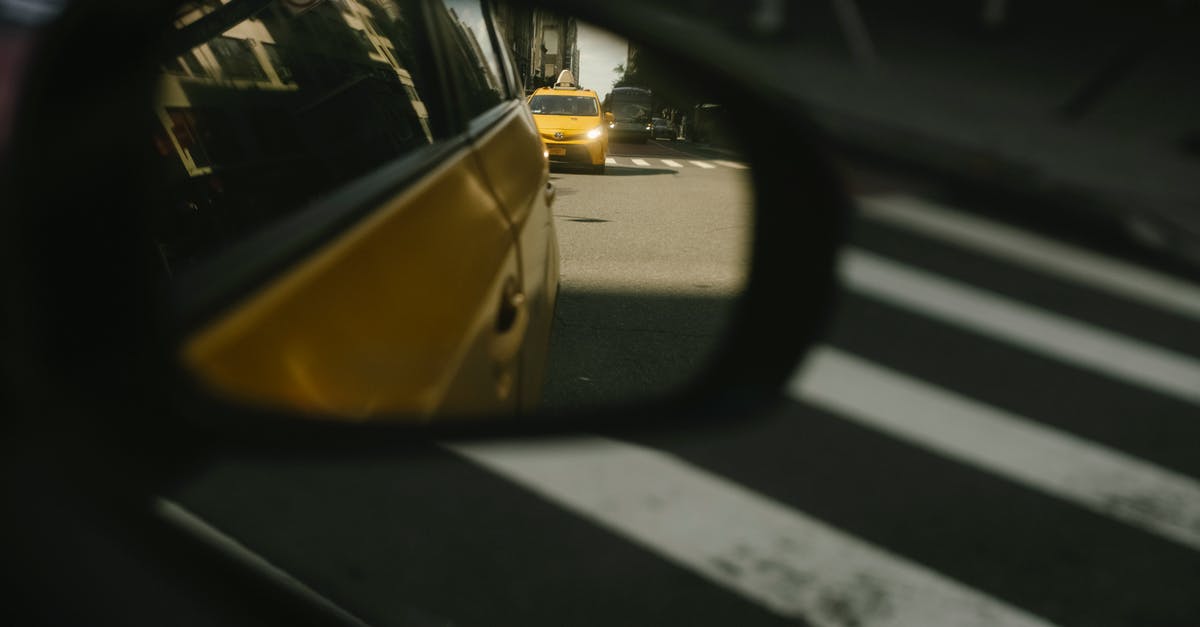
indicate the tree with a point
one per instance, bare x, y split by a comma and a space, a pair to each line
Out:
672, 98
626, 78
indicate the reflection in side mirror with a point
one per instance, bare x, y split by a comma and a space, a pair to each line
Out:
653, 253
339, 248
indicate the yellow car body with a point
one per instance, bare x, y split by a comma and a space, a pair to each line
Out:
420, 284
571, 123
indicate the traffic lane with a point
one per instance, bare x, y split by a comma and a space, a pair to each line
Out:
650, 267
687, 228
611, 347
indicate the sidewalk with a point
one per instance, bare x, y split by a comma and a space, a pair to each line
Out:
991, 109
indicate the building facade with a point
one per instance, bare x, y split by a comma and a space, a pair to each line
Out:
541, 43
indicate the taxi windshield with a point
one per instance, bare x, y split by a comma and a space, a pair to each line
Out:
563, 105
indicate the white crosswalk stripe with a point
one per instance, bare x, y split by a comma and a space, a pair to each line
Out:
677, 163
1093, 476
774, 555
1040, 331
1034, 251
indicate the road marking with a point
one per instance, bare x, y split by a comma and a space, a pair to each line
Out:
730, 164
1033, 329
640, 162
773, 555
1036, 252
705, 165
610, 161
673, 164
1095, 477
179, 516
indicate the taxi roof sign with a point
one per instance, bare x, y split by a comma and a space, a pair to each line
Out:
566, 80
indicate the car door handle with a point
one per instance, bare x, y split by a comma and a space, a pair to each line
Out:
511, 308
550, 193
512, 318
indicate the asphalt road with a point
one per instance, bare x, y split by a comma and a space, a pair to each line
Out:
653, 253
999, 429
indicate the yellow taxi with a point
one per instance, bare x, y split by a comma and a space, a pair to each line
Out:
338, 237
571, 123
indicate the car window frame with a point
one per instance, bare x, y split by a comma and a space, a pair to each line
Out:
471, 123
516, 88
217, 283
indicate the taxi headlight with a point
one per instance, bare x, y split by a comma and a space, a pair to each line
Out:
595, 133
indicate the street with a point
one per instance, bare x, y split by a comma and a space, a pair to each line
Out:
999, 429
652, 254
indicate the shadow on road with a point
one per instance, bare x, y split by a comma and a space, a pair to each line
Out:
612, 170
620, 346
617, 170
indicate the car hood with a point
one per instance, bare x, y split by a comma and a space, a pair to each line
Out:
566, 122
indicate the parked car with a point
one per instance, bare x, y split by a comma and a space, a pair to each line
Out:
662, 129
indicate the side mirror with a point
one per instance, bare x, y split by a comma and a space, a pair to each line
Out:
312, 303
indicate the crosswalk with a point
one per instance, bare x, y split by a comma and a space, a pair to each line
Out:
762, 543
1000, 428
674, 164
789, 561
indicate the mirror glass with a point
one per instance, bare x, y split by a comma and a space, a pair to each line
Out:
408, 209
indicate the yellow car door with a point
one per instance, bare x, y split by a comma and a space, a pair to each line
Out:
511, 156
333, 241
524, 190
